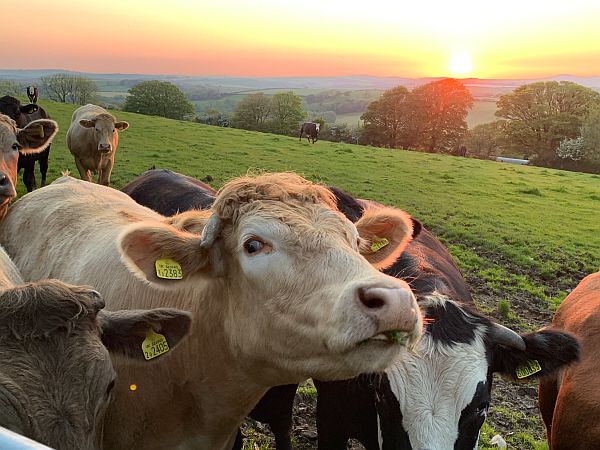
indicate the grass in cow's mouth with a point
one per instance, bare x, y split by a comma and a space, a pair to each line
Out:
392, 337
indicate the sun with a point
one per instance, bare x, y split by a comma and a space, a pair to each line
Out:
460, 64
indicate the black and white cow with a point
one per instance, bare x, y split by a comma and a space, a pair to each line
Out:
311, 129
22, 115
438, 398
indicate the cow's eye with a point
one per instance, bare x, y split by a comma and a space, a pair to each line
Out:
253, 245
16, 147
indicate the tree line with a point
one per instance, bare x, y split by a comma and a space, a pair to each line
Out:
552, 123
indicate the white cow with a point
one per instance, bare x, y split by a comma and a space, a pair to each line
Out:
281, 286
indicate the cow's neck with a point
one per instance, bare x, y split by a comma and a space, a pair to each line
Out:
201, 390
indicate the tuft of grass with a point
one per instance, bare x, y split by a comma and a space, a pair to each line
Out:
307, 390
531, 191
504, 308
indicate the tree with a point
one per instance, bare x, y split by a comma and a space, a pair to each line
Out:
65, 88
252, 112
286, 113
540, 115
443, 107
10, 88
571, 149
388, 121
213, 117
485, 140
158, 98
590, 133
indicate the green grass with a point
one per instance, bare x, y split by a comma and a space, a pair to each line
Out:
515, 230
482, 112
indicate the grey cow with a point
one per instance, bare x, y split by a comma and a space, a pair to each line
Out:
92, 139
56, 374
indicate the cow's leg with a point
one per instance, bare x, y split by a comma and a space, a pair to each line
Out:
300, 134
104, 174
29, 176
43, 159
83, 172
547, 395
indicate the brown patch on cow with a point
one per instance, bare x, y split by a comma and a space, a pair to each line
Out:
192, 221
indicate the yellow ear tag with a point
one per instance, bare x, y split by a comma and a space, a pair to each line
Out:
528, 369
41, 131
154, 345
378, 243
168, 269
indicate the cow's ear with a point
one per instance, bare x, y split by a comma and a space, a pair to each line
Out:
87, 123
385, 233
36, 136
124, 332
121, 126
162, 255
28, 109
546, 351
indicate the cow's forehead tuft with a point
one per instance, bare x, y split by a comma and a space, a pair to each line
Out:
285, 187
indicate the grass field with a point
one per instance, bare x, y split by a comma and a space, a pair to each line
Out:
526, 235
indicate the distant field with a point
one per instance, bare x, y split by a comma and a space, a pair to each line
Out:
482, 112
524, 234
352, 120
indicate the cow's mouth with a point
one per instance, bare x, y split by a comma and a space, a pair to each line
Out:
388, 337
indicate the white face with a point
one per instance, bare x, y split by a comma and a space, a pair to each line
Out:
433, 390
299, 280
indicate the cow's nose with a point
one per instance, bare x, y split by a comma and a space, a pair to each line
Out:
392, 309
104, 147
6, 187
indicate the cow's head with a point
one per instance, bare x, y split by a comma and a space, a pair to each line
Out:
34, 138
440, 398
56, 375
301, 293
106, 131
12, 108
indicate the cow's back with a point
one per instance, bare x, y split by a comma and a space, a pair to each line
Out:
577, 403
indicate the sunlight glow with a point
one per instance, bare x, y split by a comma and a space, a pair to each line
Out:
460, 64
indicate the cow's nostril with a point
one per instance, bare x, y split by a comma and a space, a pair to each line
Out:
369, 300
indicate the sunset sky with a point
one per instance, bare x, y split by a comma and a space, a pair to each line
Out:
500, 39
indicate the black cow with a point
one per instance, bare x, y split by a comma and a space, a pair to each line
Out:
23, 114
168, 192
450, 375
311, 130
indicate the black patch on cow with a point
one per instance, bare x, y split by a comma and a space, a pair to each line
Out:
473, 416
347, 204
393, 434
451, 323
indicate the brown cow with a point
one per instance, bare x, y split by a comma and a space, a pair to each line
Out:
56, 376
33, 138
570, 401
277, 285
93, 138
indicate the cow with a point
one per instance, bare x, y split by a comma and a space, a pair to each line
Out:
570, 400
168, 192
14, 141
281, 286
22, 115
347, 408
56, 376
93, 138
438, 398
311, 129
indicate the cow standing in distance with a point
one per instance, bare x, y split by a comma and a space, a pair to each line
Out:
273, 253
93, 138
311, 129
56, 376
570, 400
22, 115
14, 142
